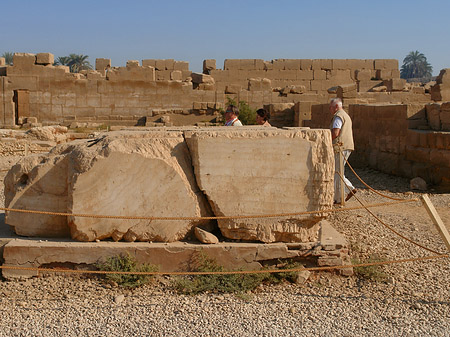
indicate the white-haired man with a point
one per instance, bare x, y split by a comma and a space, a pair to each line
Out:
342, 136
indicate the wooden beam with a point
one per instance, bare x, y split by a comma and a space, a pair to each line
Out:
341, 180
436, 220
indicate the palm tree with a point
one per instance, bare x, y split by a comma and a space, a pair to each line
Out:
78, 63
8, 58
415, 65
62, 61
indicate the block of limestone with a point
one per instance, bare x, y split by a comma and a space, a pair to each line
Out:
127, 174
264, 171
38, 182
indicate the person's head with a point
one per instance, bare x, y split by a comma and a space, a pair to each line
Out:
262, 116
231, 112
335, 105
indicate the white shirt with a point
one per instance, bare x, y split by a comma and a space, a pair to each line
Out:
234, 122
337, 123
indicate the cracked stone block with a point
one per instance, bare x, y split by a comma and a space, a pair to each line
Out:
142, 174
250, 172
126, 174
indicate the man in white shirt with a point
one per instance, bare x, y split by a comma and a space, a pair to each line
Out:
231, 116
342, 137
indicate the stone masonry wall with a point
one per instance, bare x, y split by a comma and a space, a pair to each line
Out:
141, 92
410, 140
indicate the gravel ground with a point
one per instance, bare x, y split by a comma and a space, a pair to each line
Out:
413, 299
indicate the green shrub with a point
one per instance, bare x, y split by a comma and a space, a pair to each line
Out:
374, 273
126, 263
226, 283
290, 276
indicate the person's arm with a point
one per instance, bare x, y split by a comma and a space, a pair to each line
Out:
336, 127
335, 133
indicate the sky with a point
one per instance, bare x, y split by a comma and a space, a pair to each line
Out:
195, 30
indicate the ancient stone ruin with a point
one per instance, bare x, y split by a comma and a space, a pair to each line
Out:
165, 92
177, 173
178, 162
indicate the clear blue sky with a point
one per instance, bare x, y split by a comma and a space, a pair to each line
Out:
194, 30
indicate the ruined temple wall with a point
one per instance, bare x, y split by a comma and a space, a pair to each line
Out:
410, 140
137, 94
316, 75
54, 94
388, 138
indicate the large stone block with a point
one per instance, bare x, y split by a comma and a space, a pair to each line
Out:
395, 84
176, 75
302, 112
388, 64
346, 90
324, 64
132, 73
440, 92
202, 78
181, 65
149, 63
126, 174
258, 84
45, 58
433, 116
444, 77
235, 168
101, 64
23, 60
292, 64
38, 182
306, 64
364, 74
229, 64
209, 65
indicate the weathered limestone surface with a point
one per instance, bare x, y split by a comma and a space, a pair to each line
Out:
52, 133
238, 171
125, 174
204, 236
38, 182
147, 174
177, 256
253, 172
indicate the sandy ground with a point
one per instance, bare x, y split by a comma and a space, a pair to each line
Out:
412, 299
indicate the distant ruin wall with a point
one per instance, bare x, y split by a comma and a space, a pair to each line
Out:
410, 140
316, 75
138, 93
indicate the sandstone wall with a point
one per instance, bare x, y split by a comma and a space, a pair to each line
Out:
142, 92
441, 90
316, 75
411, 140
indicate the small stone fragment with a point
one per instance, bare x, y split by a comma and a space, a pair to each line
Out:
204, 236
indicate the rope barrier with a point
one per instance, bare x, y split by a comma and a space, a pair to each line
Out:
364, 183
30, 150
386, 225
279, 215
363, 206
193, 273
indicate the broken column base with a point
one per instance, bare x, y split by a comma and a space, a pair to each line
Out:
330, 250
